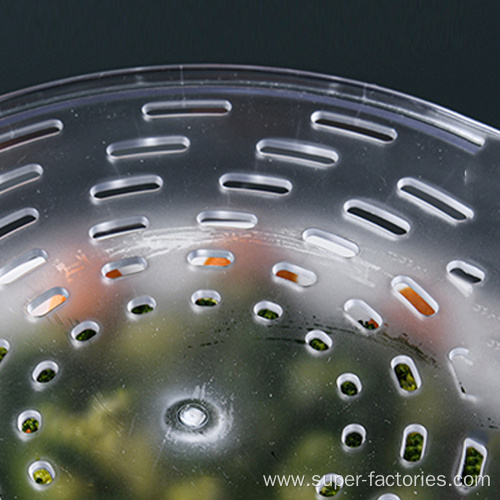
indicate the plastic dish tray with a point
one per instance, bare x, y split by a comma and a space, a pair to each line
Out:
211, 276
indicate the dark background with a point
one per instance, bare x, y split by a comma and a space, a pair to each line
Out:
444, 52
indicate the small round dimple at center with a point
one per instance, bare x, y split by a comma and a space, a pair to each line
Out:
192, 416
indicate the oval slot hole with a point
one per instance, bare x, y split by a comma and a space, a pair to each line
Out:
333, 122
85, 331
206, 298
210, 258
464, 272
41, 473
295, 274
377, 217
298, 152
430, 197
349, 385
124, 267
363, 314
414, 443
29, 422
388, 496
226, 218
30, 133
406, 374
22, 265
122, 187
17, 220
472, 463
267, 311
415, 295
45, 372
48, 302
318, 340
141, 305
118, 227
19, 177
331, 242
172, 109
353, 436
256, 184
148, 146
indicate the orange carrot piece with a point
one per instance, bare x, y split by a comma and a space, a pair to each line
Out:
113, 274
217, 261
288, 275
416, 301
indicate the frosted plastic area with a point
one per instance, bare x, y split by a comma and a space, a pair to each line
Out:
204, 220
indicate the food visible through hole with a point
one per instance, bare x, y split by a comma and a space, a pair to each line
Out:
141, 309
114, 273
371, 324
472, 466
405, 377
3, 353
329, 490
217, 262
42, 476
417, 301
353, 440
85, 335
288, 275
30, 425
318, 344
414, 447
268, 314
206, 302
46, 375
349, 388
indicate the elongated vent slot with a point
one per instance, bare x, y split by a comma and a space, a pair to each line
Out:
118, 227
414, 443
172, 109
331, 242
465, 272
30, 133
377, 218
415, 296
148, 146
226, 218
123, 187
363, 314
312, 155
17, 220
406, 375
19, 177
48, 302
472, 464
210, 258
124, 267
333, 122
435, 200
295, 274
22, 265
256, 184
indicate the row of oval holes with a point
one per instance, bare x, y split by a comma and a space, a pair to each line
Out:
362, 211
465, 272
418, 191
309, 154
412, 293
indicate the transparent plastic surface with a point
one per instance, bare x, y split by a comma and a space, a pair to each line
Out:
212, 277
